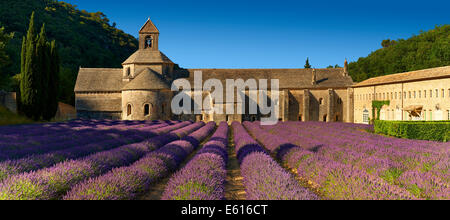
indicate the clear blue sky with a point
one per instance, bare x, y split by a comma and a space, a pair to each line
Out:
272, 34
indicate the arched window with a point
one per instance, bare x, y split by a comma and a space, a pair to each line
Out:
129, 110
325, 118
146, 110
128, 71
148, 42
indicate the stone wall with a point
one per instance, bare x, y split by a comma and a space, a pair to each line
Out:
403, 95
98, 105
99, 115
9, 100
158, 101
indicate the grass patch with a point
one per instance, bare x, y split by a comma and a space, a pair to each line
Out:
9, 118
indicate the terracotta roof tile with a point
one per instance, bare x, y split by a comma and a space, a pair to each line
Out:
99, 80
147, 79
147, 57
440, 72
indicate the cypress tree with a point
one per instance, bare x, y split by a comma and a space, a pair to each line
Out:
23, 55
307, 65
42, 74
53, 82
29, 83
22, 70
39, 83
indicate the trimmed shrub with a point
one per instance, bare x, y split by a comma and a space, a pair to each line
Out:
420, 130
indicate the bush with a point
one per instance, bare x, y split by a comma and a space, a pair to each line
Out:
421, 130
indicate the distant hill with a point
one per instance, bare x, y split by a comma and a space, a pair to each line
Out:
426, 50
84, 39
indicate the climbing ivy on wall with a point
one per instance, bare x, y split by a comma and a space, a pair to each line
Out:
378, 105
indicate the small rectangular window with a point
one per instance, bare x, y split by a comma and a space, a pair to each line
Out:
425, 93
437, 93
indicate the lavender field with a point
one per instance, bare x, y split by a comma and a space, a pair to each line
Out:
175, 160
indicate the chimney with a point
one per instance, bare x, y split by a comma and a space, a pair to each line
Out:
314, 77
346, 68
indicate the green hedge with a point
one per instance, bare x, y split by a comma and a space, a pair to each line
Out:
420, 130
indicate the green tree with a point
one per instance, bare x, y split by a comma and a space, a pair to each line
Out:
4, 39
30, 82
53, 82
4, 57
427, 50
43, 69
84, 39
39, 81
307, 65
388, 43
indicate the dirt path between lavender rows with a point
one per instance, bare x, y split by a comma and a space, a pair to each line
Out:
234, 187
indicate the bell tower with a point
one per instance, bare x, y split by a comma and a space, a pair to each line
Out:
148, 37
148, 55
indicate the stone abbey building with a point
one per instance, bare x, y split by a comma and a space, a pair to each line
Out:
141, 90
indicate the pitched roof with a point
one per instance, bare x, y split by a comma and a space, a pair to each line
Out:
434, 73
147, 79
99, 80
147, 57
110, 80
149, 27
289, 78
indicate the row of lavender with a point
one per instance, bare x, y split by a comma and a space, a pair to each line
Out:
52, 183
203, 178
39, 161
130, 182
421, 167
50, 128
334, 180
352, 164
20, 144
264, 179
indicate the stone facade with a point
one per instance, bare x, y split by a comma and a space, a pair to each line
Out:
141, 89
429, 93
